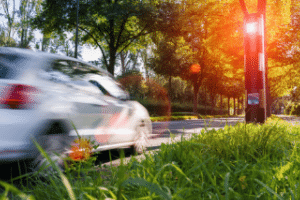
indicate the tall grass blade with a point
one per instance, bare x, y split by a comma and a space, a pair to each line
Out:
54, 166
226, 185
73, 125
153, 187
176, 168
292, 194
89, 197
212, 181
269, 189
108, 191
15, 191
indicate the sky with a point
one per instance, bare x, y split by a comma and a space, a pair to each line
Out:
90, 54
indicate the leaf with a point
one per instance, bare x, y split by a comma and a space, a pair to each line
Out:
269, 189
55, 167
15, 191
151, 186
89, 196
226, 185
109, 191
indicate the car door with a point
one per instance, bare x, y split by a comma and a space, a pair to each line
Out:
117, 128
84, 98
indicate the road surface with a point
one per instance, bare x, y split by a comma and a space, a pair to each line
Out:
161, 133
161, 130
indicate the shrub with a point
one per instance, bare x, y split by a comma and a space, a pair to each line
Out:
293, 109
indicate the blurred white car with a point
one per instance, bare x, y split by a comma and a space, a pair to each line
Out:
42, 94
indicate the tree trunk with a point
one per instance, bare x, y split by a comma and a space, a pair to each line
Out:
111, 46
122, 62
221, 101
112, 60
196, 89
243, 104
205, 99
228, 106
234, 106
240, 105
170, 88
212, 105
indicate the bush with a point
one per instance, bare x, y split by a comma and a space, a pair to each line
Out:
293, 109
157, 108
165, 108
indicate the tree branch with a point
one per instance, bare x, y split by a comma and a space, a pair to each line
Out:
121, 30
97, 43
131, 40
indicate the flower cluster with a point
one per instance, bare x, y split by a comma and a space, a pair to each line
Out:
81, 149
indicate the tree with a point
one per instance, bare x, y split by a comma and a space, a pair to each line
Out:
200, 33
145, 56
284, 55
10, 16
113, 26
167, 62
170, 50
128, 61
26, 11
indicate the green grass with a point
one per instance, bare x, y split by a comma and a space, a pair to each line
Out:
172, 118
247, 161
185, 116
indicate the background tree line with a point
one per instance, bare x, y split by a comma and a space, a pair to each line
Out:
151, 45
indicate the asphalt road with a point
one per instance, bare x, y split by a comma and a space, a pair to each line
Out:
176, 127
294, 120
162, 134
161, 131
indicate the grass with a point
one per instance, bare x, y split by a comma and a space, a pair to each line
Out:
184, 116
247, 161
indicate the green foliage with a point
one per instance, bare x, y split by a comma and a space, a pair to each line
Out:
163, 108
26, 12
113, 26
156, 107
134, 83
205, 33
18, 21
293, 108
283, 51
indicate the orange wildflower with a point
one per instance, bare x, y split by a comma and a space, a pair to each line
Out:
81, 149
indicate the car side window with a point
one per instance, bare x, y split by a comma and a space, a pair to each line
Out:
103, 90
79, 70
72, 73
67, 70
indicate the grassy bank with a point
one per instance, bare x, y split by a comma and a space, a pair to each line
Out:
177, 117
241, 162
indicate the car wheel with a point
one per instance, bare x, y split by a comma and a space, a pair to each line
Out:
141, 138
55, 146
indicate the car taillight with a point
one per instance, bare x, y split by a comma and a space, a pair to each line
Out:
19, 96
